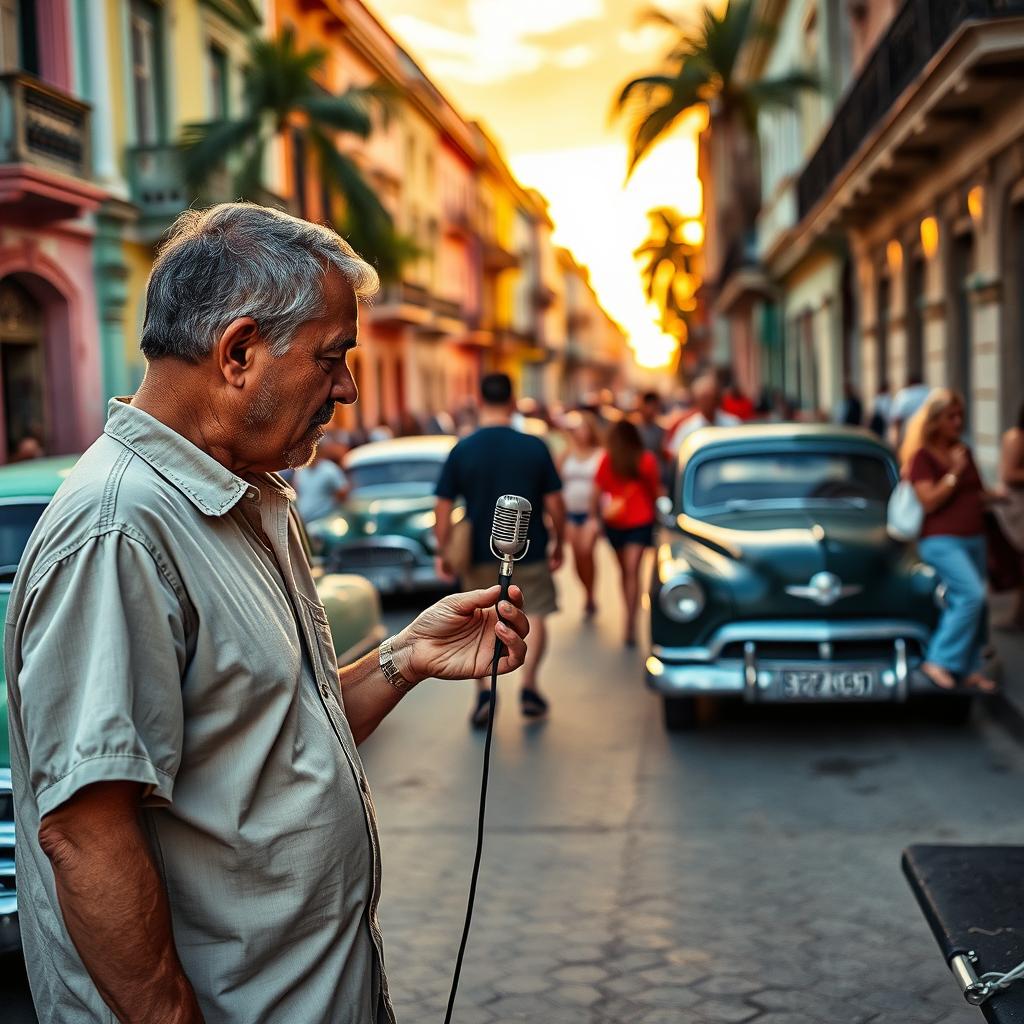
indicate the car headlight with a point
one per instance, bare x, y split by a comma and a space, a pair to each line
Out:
682, 599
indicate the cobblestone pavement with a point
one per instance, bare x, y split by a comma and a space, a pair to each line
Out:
749, 872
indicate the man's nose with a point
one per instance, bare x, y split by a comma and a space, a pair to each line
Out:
345, 390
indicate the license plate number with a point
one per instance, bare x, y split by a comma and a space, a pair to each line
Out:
822, 685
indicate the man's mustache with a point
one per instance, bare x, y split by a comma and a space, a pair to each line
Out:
325, 415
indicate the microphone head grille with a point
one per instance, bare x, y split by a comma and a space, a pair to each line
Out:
511, 522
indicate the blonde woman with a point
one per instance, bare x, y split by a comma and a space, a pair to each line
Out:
578, 469
950, 489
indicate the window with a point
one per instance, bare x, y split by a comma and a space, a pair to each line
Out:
787, 478
147, 84
220, 84
19, 39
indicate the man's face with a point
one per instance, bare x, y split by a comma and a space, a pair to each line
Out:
293, 396
705, 397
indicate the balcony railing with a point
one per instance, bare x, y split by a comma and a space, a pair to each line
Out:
448, 309
42, 126
158, 187
918, 31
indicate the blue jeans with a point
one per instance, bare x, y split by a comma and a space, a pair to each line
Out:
960, 563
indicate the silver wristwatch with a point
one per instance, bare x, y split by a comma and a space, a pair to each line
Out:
391, 671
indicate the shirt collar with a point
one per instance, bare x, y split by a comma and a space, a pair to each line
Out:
211, 487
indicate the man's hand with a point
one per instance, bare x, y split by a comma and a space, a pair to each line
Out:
454, 639
556, 556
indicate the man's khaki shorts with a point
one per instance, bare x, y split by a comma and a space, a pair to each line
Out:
533, 578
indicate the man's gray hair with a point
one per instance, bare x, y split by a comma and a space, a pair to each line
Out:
242, 260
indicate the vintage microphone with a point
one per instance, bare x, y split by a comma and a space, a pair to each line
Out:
509, 544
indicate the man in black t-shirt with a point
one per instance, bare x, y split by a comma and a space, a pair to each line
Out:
495, 460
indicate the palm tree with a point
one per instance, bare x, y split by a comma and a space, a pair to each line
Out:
700, 71
671, 268
283, 97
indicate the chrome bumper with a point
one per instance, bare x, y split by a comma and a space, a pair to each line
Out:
10, 935
757, 676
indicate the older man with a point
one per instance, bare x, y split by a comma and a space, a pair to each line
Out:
196, 839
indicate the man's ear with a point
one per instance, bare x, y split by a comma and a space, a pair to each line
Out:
235, 350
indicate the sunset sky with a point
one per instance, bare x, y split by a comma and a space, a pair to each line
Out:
541, 74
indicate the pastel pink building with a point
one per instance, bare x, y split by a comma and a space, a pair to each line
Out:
50, 373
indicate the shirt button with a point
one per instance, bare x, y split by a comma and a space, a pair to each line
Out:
326, 691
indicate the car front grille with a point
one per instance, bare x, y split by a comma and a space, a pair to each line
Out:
812, 650
358, 559
8, 892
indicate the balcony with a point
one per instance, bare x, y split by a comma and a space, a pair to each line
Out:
45, 160
497, 258
158, 188
938, 66
400, 305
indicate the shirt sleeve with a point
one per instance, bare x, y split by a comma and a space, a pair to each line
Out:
922, 467
100, 651
338, 478
603, 476
448, 481
649, 469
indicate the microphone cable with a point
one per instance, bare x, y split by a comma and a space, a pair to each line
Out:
499, 652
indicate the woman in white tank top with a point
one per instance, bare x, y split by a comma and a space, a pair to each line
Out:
578, 469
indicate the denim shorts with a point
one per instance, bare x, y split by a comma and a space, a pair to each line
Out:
642, 535
577, 518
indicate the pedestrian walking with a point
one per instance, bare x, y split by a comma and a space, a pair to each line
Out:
905, 404
708, 412
578, 470
1011, 510
879, 422
628, 486
850, 411
195, 835
494, 460
952, 495
320, 487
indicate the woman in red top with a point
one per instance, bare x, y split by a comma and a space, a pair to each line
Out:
628, 483
951, 491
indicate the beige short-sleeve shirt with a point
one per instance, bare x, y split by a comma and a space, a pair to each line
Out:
164, 628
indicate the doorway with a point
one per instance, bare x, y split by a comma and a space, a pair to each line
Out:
22, 365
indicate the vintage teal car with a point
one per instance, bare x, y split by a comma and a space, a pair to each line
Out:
775, 580
385, 530
351, 603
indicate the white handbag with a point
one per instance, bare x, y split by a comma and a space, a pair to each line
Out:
904, 515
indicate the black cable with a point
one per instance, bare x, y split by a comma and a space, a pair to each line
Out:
499, 652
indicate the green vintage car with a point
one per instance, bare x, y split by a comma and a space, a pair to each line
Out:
351, 603
775, 579
385, 530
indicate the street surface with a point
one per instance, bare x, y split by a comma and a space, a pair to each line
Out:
748, 872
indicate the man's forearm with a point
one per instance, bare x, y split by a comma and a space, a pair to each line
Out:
367, 693
116, 911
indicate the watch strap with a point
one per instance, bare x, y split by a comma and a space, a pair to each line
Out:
392, 673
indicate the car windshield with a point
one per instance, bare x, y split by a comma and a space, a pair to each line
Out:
409, 474
16, 524
791, 478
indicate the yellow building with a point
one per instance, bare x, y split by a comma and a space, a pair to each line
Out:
156, 66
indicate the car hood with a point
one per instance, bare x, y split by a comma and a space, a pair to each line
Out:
791, 545
377, 514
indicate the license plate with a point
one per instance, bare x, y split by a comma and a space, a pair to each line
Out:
816, 684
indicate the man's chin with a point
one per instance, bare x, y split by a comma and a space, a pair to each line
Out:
302, 453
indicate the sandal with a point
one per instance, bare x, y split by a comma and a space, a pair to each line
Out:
532, 704
481, 713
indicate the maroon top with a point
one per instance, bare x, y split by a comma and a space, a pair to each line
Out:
963, 514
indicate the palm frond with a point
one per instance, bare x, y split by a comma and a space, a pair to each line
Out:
205, 146
347, 112
782, 90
